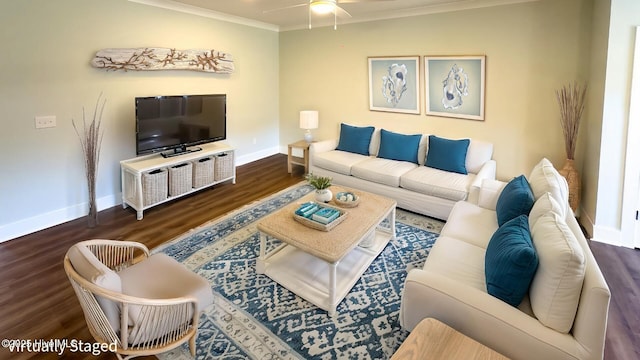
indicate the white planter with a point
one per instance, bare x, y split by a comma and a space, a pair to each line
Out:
324, 195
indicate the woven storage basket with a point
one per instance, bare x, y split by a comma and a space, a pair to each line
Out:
203, 172
223, 166
180, 179
154, 186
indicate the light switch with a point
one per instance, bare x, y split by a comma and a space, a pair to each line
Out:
45, 121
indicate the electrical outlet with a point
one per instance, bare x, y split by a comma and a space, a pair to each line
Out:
254, 141
45, 122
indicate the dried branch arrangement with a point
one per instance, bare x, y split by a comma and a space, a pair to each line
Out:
571, 99
164, 59
91, 140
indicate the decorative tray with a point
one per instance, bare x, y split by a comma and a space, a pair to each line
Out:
319, 216
346, 199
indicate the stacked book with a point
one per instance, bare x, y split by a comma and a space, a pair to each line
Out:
315, 212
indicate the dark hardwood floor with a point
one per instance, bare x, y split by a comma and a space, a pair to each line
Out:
37, 302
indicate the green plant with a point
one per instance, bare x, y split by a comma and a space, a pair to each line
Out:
318, 182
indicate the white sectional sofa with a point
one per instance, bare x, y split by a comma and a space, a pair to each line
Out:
415, 187
563, 312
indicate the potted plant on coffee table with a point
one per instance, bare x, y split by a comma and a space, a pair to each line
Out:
321, 184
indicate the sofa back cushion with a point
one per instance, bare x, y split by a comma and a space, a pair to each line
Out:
510, 261
557, 285
447, 155
87, 265
355, 139
544, 204
401, 147
515, 199
544, 179
479, 152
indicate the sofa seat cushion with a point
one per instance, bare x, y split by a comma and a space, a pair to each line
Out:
383, 171
338, 161
470, 223
438, 183
457, 260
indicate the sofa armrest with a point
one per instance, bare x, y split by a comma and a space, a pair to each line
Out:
320, 147
488, 171
472, 311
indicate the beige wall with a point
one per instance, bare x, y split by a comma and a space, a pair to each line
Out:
532, 49
47, 47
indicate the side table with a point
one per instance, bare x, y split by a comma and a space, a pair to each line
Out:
432, 339
297, 160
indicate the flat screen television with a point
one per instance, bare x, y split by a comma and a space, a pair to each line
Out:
172, 124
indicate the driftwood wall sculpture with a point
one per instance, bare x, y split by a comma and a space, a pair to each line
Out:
164, 59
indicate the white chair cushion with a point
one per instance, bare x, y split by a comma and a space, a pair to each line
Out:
544, 179
545, 203
338, 161
89, 267
160, 277
556, 287
439, 183
382, 171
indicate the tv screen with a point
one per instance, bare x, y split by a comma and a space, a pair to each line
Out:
177, 122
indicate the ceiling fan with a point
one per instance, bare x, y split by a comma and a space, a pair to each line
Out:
322, 7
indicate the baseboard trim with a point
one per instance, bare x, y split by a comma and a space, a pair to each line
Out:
53, 218
46, 220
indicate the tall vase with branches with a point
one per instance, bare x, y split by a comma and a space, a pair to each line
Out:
571, 99
90, 137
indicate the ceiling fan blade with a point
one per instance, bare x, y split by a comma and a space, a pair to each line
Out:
285, 8
359, 1
342, 11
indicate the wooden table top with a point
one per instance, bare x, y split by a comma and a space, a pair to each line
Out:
432, 339
333, 245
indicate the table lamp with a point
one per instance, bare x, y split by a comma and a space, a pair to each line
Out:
308, 121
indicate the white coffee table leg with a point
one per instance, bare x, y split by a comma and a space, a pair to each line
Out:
332, 288
392, 223
263, 248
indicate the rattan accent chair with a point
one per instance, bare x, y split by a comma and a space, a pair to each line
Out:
144, 304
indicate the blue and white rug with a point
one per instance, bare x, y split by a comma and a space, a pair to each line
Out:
255, 318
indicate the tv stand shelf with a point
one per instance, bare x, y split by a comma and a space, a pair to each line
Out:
161, 178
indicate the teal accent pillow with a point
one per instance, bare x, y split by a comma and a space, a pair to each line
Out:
515, 199
394, 146
511, 261
355, 139
447, 155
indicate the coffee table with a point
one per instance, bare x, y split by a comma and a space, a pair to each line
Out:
323, 266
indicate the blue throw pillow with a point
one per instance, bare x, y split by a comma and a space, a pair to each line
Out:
515, 199
355, 139
400, 147
510, 261
448, 155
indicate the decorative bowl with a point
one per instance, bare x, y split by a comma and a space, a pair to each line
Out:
347, 199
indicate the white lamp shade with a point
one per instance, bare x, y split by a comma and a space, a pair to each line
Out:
308, 119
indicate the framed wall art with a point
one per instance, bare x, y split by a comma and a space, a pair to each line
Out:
394, 84
454, 86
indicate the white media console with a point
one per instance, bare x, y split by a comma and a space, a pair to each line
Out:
151, 180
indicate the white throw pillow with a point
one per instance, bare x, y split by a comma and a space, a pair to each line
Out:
556, 287
545, 203
545, 178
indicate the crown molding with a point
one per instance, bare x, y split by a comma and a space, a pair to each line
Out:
194, 10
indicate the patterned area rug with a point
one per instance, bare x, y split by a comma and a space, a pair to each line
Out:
255, 318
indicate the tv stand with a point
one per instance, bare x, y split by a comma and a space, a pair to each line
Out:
151, 180
180, 151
